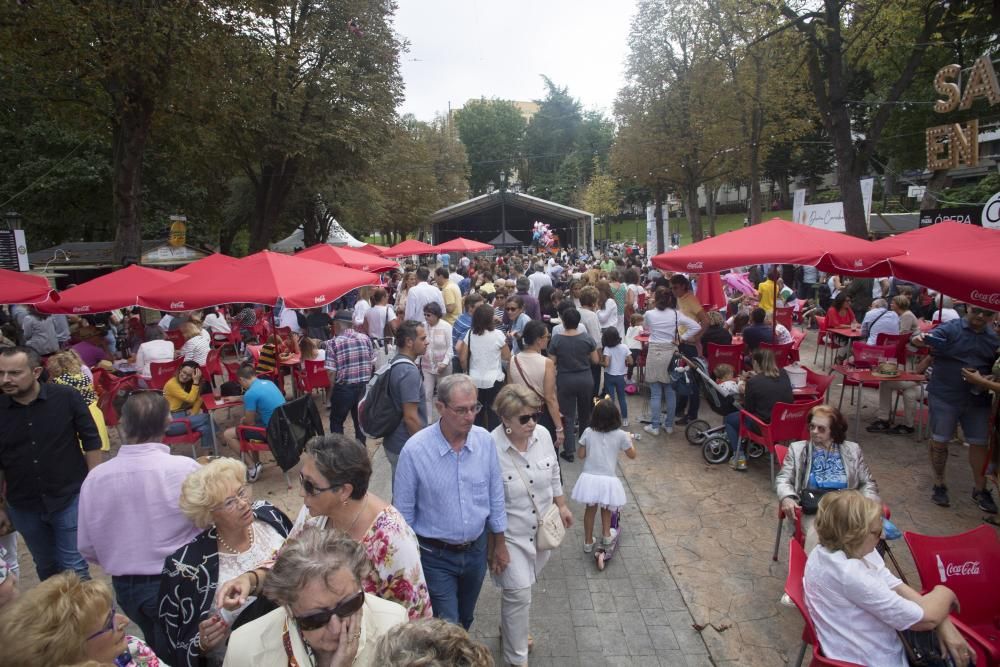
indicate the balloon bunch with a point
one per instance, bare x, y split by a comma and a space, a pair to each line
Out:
541, 235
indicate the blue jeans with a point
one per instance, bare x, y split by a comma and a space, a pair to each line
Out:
200, 422
657, 392
51, 539
139, 598
615, 385
732, 422
454, 579
344, 399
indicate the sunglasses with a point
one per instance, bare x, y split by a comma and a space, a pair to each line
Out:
511, 309
346, 608
524, 419
108, 626
311, 489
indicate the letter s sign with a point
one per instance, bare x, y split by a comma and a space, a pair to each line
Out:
991, 213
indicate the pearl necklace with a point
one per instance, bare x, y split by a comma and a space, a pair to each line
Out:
229, 548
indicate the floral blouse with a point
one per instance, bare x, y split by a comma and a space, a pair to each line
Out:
137, 655
394, 553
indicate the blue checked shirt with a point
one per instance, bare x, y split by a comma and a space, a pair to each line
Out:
450, 496
350, 355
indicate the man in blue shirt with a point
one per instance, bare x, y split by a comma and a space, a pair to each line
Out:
260, 399
449, 489
968, 343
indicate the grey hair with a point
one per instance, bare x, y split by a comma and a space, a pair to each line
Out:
448, 384
880, 303
316, 554
144, 417
430, 642
342, 460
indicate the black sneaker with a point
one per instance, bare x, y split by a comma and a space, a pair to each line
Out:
681, 421
567, 457
878, 426
984, 500
901, 429
940, 496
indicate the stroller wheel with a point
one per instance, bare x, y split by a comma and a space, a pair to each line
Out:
716, 449
695, 431
755, 451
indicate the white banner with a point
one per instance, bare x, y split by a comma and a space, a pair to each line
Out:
831, 216
651, 247
798, 203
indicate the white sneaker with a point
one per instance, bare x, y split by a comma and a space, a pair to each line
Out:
608, 541
587, 548
253, 473
625, 422
648, 428
668, 429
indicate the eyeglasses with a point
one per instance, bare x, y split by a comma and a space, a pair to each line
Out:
464, 410
817, 427
511, 309
230, 504
108, 626
311, 489
524, 419
346, 608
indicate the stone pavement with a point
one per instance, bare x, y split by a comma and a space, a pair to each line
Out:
695, 551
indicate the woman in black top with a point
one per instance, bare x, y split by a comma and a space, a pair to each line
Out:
573, 352
716, 331
766, 385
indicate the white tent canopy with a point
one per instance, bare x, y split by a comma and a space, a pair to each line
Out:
338, 237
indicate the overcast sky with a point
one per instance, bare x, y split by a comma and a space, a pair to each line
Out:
462, 49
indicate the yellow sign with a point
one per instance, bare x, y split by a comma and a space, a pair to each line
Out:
178, 230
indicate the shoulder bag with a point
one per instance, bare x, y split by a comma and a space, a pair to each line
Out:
551, 531
923, 649
517, 362
680, 378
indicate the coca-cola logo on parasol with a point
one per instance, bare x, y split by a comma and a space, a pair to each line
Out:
991, 299
81, 309
319, 299
177, 304
695, 265
858, 263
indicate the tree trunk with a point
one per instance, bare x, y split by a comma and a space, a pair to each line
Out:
939, 181
850, 168
694, 212
271, 191
130, 133
756, 127
786, 196
658, 217
711, 192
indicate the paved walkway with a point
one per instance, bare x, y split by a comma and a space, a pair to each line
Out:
695, 551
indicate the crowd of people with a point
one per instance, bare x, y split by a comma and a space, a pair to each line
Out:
496, 370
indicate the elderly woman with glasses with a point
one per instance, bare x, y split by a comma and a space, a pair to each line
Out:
826, 461
857, 606
325, 618
239, 533
334, 473
66, 620
530, 472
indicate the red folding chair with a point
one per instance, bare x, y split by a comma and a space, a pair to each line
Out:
796, 591
823, 340
865, 356
789, 421
254, 439
968, 564
160, 372
188, 437
782, 353
899, 341
175, 337
821, 381
780, 451
214, 365
783, 315
716, 354
311, 376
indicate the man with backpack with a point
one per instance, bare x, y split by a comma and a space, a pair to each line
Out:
401, 395
349, 362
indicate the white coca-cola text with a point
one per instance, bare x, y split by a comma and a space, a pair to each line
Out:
319, 299
992, 299
961, 569
695, 265
177, 304
81, 309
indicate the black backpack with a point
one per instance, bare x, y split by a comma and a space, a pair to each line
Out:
377, 414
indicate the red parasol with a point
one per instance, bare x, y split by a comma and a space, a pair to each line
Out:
263, 278
777, 242
372, 249
362, 261
710, 292
17, 287
955, 259
461, 244
410, 247
207, 266
118, 289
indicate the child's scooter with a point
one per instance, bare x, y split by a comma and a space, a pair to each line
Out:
603, 553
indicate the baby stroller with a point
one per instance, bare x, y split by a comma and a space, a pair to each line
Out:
715, 446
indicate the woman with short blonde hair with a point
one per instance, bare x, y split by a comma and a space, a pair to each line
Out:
431, 642
857, 606
66, 620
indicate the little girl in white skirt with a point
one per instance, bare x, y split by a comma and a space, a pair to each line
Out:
598, 484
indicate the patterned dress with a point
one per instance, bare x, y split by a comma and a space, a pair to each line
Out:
394, 553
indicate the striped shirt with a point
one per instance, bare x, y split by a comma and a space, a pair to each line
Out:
350, 356
196, 348
450, 496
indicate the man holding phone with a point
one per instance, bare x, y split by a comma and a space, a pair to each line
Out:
967, 344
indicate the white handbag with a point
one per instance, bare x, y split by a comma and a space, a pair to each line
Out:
551, 531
